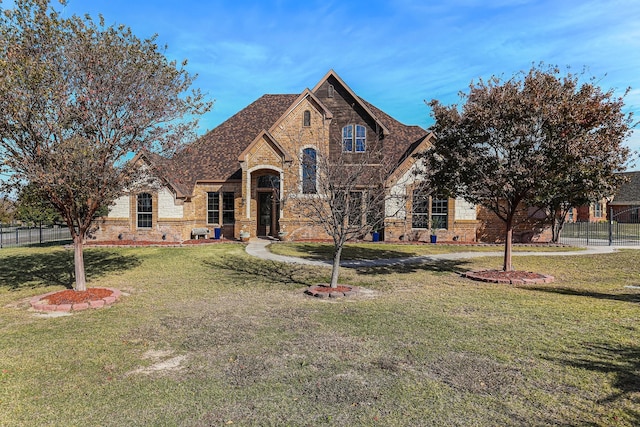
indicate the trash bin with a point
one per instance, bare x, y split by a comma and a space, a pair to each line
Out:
376, 236
216, 233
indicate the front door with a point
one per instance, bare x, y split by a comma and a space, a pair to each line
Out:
267, 214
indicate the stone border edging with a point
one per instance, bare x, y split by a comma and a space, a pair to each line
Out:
315, 291
38, 305
474, 275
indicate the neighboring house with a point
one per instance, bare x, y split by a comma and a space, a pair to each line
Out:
239, 176
593, 212
625, 203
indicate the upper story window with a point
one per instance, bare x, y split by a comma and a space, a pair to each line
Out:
309, 168
354, 138
144, 210
330, 91
306, 120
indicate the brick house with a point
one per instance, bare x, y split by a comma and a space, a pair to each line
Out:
236, 176
625, 203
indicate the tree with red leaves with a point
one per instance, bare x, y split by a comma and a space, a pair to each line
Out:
538, 139
76, 99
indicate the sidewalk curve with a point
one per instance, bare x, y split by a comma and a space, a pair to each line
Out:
258, 248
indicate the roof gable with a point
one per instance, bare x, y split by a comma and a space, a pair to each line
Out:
214, 156
271, 141
364, 106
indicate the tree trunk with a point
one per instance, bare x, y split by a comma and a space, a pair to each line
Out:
335, 271
507, 248
78, 261
556, 229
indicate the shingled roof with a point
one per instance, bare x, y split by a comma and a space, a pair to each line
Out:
214, 156
629, 191
402, 139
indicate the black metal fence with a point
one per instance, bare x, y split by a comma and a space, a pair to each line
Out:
12, 236
623, 229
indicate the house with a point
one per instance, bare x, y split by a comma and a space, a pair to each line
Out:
625, 203
236, 177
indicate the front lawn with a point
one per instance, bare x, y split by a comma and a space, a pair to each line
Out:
210, 336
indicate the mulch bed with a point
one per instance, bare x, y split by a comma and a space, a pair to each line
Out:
70, 300
508, 277
325, 291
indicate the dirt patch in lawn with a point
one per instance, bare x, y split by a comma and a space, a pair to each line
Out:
508, 277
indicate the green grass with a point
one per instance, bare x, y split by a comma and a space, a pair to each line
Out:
426, 348
369, 251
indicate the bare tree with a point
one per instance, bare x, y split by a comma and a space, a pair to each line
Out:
522, 141
76, 99
343, 194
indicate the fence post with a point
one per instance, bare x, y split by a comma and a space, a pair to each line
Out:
1, 234
17, 236
610, 226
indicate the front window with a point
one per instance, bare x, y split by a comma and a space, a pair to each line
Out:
306, 121
145, 210
439, 213
309, 168
420, 214
228, 208
213, 208
597, 209
351, 144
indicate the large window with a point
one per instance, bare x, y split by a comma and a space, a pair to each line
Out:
213, 207
354, 138
420, 215
309, 168
145, 210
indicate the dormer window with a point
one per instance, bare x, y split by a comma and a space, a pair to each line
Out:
306, 118
357, 144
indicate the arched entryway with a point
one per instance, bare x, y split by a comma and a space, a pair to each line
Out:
268, 200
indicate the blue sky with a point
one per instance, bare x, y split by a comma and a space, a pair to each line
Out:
395, 53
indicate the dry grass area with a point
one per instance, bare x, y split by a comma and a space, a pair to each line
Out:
209, 336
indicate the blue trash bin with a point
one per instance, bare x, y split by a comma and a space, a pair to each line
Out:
376, 236
216, 233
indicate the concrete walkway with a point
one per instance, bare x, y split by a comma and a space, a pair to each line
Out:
258, 248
